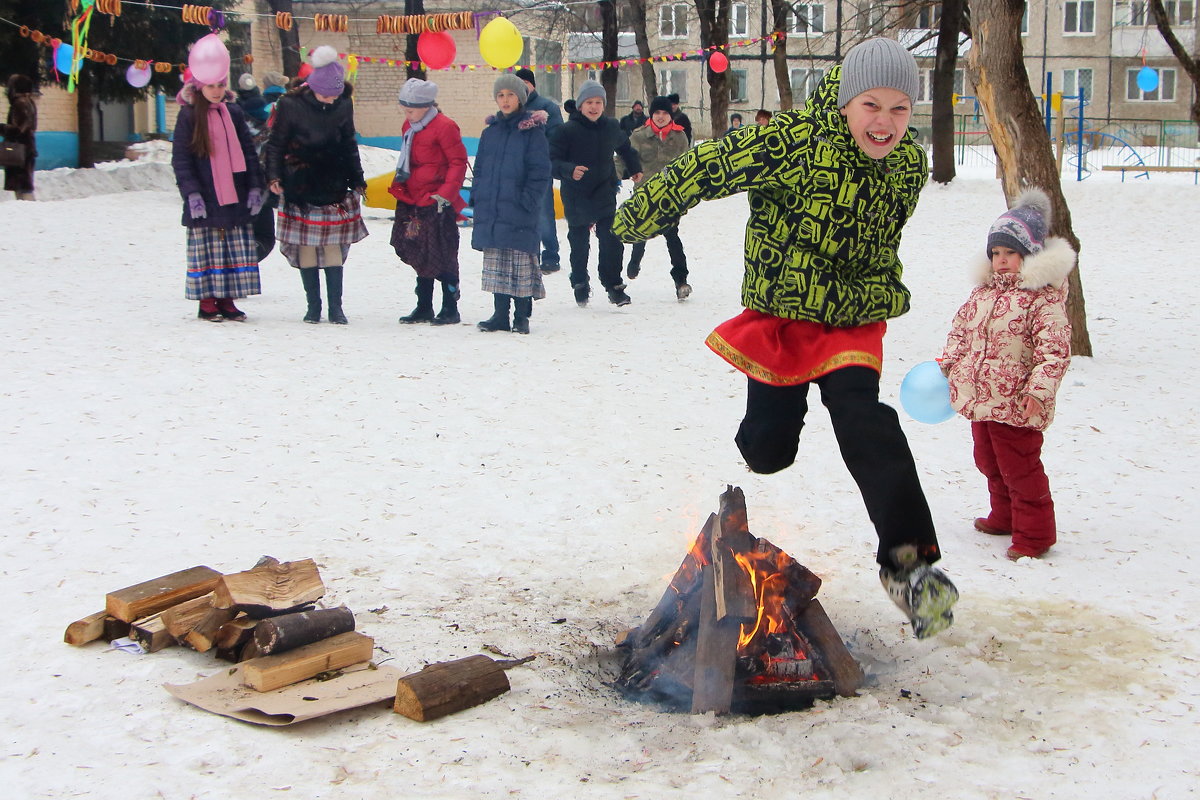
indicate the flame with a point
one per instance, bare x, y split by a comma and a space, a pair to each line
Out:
768, 584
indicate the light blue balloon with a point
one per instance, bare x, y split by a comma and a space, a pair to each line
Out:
925, 394
62, 58
1147, 79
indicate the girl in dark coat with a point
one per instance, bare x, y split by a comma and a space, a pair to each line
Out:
21, 128
512, 176
221, 183
312, 161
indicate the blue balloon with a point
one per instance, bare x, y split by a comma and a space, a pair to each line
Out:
62, 58
1147, 79
925, 394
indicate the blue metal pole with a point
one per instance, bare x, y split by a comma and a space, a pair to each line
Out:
160, 112
1046, 106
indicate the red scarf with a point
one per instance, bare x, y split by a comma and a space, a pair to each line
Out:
664, 131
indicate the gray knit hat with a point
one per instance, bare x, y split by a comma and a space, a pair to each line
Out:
514, 84
875, 63
1022, 227
588, 90
416, 93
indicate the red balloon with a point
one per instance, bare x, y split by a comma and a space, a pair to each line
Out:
718, 62
305, 70
437, 49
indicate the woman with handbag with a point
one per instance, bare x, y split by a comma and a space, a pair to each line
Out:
19, 150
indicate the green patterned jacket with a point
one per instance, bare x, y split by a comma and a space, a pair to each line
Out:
825, 218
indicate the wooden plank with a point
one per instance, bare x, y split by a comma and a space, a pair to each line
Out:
85, 630
150, 597
814, 623
1146, 168
449, 686
271, 672
287, 632
151, 634
270, 588
184, 616
716, 653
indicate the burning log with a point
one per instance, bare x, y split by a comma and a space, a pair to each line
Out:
449, 686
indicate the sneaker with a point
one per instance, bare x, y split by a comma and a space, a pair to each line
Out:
983, 526
582, 292
633, 270
617, 296
922, 592
683, 291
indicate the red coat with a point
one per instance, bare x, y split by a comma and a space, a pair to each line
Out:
438, 165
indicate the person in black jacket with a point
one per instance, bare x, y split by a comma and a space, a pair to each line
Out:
680, 118
313, 163
548, 225
635, 119
581, 154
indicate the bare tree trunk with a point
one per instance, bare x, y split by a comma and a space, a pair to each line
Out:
714, 30
412, 7
779, 60
289, 41
1189, 64
943, 91
640, 37
85, 105
1018, 135
609, 49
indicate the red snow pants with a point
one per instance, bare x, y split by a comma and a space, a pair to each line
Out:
1011, 460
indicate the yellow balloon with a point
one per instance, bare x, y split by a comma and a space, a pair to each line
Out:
500, 43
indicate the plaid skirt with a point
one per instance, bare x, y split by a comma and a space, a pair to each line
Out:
427, 241
512, 272
340, 224
221, 262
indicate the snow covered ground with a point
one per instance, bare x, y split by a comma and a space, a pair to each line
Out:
467, 492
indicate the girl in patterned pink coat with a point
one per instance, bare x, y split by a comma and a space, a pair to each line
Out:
1008, 348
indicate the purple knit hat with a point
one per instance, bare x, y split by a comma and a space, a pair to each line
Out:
328, 76
1023, 227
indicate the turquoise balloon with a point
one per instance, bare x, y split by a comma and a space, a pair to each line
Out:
925, 394
62, 58
1147, 79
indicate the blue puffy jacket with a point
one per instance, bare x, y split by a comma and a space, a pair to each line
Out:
512, 175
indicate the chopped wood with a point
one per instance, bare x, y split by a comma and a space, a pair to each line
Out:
181, 618
271, 672
85, 630
449, 686
150, 597
235, 633
115, 629
287, 632
815, 625
151, 634
200, 637
270, 588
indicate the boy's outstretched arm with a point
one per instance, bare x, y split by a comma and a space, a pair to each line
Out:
759, 157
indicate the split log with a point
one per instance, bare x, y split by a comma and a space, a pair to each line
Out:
85, 630
449, 686
816, 627
181, 618
150, 597
270, 588
151, 633
200, 637
280, 634
235, 633
272, 672
115, 629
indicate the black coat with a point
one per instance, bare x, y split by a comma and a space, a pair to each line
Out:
632, 121
581, 142
681, 119
312, 150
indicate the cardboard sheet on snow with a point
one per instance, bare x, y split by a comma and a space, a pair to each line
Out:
223, 693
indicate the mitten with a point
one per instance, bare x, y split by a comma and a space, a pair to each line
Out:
255, 200
196, 206
441, 202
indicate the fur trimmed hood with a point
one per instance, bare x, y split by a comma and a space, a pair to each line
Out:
187, 95
532, 119
1050, 266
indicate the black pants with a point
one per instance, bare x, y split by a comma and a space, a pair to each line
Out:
872, 445
611, 252
679, 269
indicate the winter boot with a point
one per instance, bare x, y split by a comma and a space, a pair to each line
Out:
499, 320
209, 311
333, 286
683, 291
522, 311
229, 311
449, 314
984, 526
922, 592
582, 292
424, 310
633, 269
617, 296
311, 277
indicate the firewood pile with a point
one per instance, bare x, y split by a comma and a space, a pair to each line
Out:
265, 620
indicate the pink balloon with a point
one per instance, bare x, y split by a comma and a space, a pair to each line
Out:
209, 60
137, 78
437, 49
718, 62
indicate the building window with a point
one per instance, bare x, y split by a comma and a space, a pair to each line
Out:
1025, 21
623, 97
1136, 13
804, 83
871, 16
739, 19
673, 21
673, 81
1075, 81
1163, 93
929, 17
808, 19
925, 85
739, 86
1079, 17
1182, 12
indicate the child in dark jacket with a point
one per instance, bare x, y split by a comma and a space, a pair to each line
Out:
512, 176
313, 163
582, 154
221, 183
